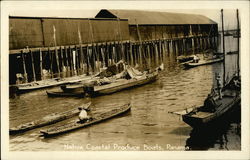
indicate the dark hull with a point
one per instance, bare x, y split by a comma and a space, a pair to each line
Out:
50, 119
72, 88
65, 94
212, 119
23, 88
96, 119
118, 86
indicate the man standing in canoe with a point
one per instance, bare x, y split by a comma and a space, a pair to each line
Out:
83, 115
219, 86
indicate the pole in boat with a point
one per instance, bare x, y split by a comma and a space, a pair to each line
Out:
223, 47
238, 43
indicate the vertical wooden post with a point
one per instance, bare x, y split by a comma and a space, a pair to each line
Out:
113, 55
96, 57
71, 60
149, 55
67, 59
81, 58
24, 68
88, 61
33, 66
156, 54
62, 59
108, 53
41, 63
131, 53
57, 61
51, 63
103, 57
76, 60
56, 53
184, 49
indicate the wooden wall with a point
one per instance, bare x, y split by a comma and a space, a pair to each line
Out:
39, 32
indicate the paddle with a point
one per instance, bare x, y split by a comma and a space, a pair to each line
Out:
183, 112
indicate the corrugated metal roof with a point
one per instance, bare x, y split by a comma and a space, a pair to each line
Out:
155, 18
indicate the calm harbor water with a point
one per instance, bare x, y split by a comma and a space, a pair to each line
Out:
148, 126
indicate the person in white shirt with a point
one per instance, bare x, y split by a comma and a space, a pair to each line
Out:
196, 59
83, 115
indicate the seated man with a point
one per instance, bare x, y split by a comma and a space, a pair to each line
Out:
83, 116
209, 104
196, 59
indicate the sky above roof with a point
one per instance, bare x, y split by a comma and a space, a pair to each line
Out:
85, 9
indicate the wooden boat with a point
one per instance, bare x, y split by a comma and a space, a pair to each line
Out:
107, 72
208, 115
78, 86
22, 88
47, 120
65, 94
202, 62
121, 84
76, 125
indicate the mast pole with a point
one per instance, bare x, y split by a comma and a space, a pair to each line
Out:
223, 48
238, 43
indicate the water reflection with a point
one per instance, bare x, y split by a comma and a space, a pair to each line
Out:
221, 135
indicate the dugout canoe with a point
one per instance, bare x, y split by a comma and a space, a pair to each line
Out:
202, 62
120, 84
26, 87
65, 94
76, 125
47, 120
202, 117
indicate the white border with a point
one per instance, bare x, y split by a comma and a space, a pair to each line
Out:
10, 6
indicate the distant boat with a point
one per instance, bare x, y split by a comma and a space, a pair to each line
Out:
26, 87
73, 125
202, 62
